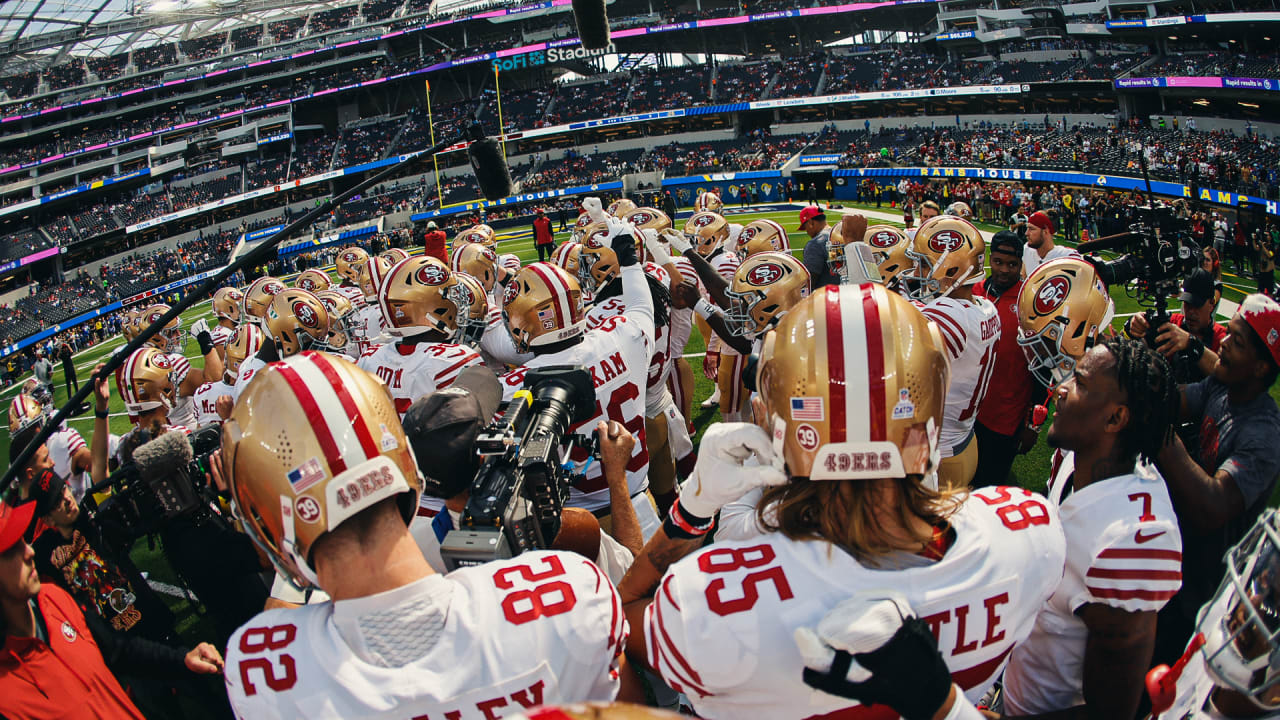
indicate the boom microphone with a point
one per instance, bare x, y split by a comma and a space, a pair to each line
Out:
488, 165
163, 466
592, 22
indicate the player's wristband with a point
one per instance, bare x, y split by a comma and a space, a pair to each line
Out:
206, 342
682, 525
100, 414
705, 309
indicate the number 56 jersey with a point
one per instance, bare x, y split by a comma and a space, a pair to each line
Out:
483, 642
721, 625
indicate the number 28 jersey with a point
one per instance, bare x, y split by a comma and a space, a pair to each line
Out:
721, 623
484, 642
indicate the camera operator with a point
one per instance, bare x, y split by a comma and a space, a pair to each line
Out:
55, 659
398, 639
1221, 485
442, 428
1191, 339
218, 563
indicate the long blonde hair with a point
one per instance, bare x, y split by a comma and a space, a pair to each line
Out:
868, 518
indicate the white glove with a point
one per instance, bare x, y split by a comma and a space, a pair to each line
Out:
860, 624
199, 326
617, 227
594, 209
721, 475
731, 242
656, 251
677, 240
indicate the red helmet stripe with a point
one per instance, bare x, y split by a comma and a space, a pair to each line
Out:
349, 407
559, 292
835, 363
875, 361
315, 418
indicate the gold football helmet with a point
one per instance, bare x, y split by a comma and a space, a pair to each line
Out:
372, 273
227, 304
708, 202
394, 255
619, 208
128, 326
762, 236
597, 262
948, 253
961, 209
313, 281
312, 441
143, 381
257, 298
348, 264
647, 218
244, 343
477, 261
474, 319
1062, 310
542, 305
765, 286
889, 247
421, 294
297, 320
340, 310
579, 227
706, 230
481, 234
170, 338
24, 412
853, 380
567, 256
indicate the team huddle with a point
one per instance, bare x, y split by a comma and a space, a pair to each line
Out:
830, 516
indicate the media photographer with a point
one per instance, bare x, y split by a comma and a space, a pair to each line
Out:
1191, 339
157, 491
55, 659
1220, 485
443, 428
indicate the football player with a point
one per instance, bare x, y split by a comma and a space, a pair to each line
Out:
245, 343
295, 321
708, 201
1063, 310
479, 234
495, 344
368, 323
1093, 641
313, 281
762, 236
422, 301
348, 264
257, 297
186, 379
949, 254
228, 306
845, 505
64, 451
723, 364
393, 255
889, 247
145, 384
127, 321
542, 627
341, 319
544, 314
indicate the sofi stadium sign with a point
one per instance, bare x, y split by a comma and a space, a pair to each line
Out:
550, 56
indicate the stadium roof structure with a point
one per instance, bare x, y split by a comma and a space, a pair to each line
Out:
35, 34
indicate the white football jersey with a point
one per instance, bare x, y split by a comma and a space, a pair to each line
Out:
496, 346
682, 319
725, 264
655, 396
220, 334
720, 628
352, 293
248, 369
206, 402
1032, 260
411, 370
616, 354
64, 443
183, 411
970, 330
369, 326
483, 642
1124, 550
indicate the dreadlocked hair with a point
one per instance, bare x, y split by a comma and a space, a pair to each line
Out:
1151, 396
659, 292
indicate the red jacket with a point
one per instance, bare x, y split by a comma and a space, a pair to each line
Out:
65, 678
1005, 406
433, 246
542, 230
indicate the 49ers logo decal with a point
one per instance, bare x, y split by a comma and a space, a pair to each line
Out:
490, 255
1051, 295
945, 241
432, 275
161, 361
510, 293
703, 220
273, 288
765, 274
641, 218
882, 239
595, 240
306, 314
350, 257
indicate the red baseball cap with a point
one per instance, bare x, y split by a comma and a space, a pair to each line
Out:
810, 212
1041, 220
14, 522
1263, 315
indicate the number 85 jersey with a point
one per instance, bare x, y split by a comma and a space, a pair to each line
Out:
721, 625
484, 642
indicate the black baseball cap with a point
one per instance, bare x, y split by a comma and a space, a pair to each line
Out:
46, 492
1006, 241
442, 428
1197, 289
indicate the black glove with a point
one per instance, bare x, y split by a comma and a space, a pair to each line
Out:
624, 246
205, 341
907, 674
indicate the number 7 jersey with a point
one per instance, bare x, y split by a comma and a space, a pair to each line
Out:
720, 628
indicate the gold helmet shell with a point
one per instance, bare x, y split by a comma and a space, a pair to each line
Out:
257, 298
764, 287
349, 262
297, 320
542, 306
228, 304
244, 343
419, 295
1063, 308
477, 261
313, 281
706, 230
762, 236
143, 381
948, 252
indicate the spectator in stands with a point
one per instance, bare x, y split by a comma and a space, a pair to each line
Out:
543, 238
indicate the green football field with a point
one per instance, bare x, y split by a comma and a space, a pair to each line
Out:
1029, 470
